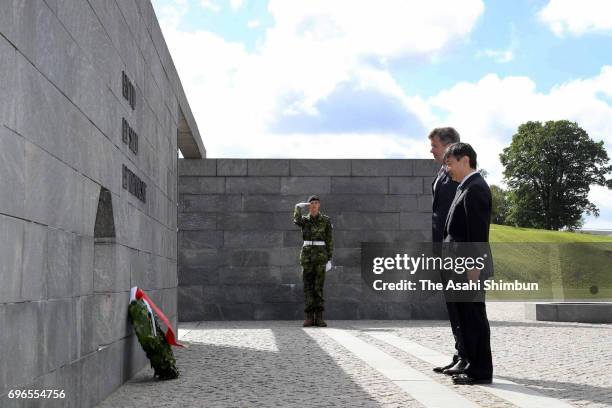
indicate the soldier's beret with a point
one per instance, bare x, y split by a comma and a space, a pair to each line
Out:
313, 197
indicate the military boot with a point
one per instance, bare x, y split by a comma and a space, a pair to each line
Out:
308, 319
319, 322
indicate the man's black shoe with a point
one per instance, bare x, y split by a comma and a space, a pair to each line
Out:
465, 379
440, 369
458, 368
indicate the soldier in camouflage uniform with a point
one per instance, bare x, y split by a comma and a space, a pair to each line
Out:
315, 257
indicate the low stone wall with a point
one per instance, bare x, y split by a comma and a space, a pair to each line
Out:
238, 246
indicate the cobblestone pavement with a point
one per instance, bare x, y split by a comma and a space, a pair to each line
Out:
279, 364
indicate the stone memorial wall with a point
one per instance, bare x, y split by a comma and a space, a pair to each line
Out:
238, 246
92, 113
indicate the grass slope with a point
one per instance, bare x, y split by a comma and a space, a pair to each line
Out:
567, 265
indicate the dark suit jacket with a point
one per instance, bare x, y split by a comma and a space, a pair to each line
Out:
443, 193
469, 218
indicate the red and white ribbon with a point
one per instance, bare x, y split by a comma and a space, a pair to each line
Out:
135, 294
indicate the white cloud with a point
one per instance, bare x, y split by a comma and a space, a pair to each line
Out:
577, 17
309, 51
236, 4
383, 28
488, 112
253, 24
501, 56
210, 5
313, 50
505, 55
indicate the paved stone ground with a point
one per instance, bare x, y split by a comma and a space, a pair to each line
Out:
279, 364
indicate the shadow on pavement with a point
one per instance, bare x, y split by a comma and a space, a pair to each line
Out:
292, 372
595, 394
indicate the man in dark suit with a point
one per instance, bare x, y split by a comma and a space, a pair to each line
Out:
468, 221
443, 189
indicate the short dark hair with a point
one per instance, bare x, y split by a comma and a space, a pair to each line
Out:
460, 150
447, 135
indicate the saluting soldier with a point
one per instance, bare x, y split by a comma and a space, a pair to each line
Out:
315, 257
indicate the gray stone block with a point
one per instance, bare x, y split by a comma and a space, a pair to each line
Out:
415, 221
90, 376
249, 257
109, 368
305, 185
134, 358
56, 54
83, 263
405, 185
60, 277
12, 168
340, 310
347, 256
231, 167
107, 314
111, 267
190, 303
201, 185
343, 292
258, 202
253, 239
292, 239
279, 311
60, 333
210, 203
320, 167
237, 311
366, 221
198, 275
67, 378
291, 274
245, 221
22, 325
425, 203
91, 194
198, 258
353, 239
381, 167
11, 250
201, 239
197, 167
425, 167
197, 221
386, 311
359, 185
268, 167
50, 185
234, 275
350, 275
374, 203
286, 256
8, 74
33, 282
253, 185
141, 269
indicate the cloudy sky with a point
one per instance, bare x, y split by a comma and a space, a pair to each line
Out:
369, 79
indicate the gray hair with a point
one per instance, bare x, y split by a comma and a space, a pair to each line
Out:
447, 135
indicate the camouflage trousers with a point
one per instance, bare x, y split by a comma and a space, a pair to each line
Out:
313, 276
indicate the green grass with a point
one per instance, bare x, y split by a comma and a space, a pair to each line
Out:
566, 264
503, 233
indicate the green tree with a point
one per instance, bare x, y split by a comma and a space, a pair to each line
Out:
499, 212
549, 170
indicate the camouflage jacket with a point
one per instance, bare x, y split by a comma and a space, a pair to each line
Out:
317, 228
